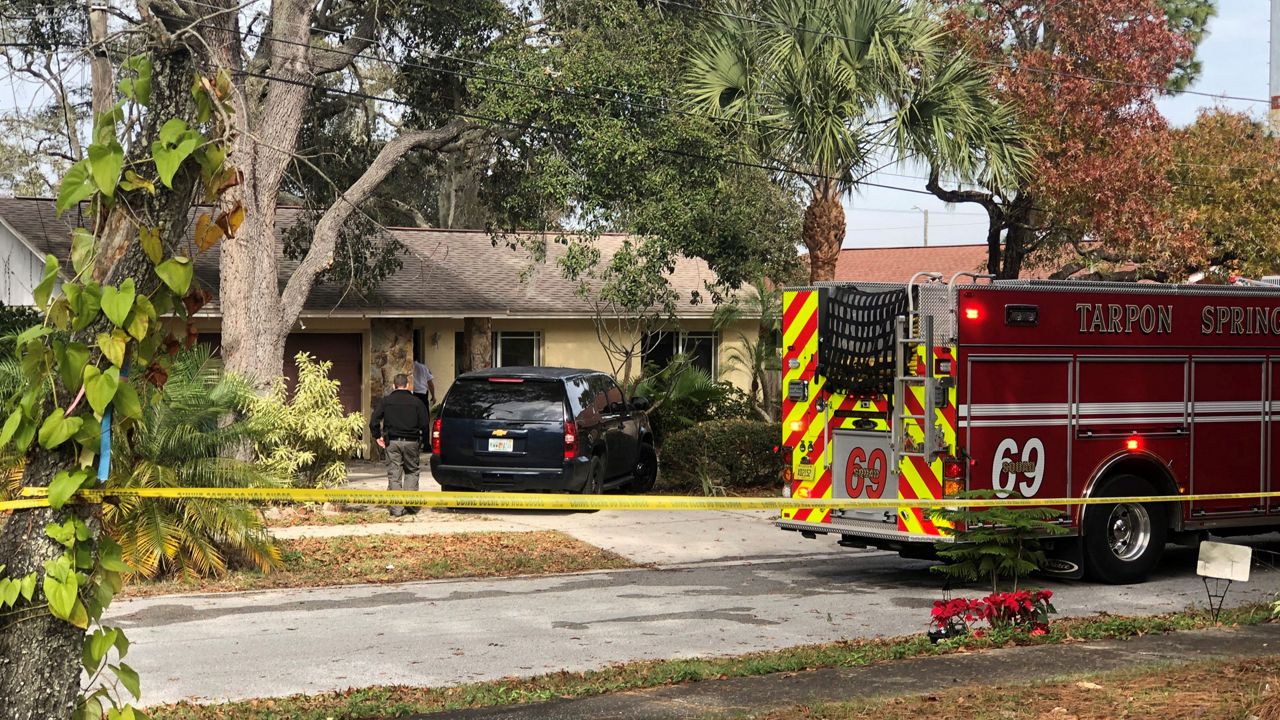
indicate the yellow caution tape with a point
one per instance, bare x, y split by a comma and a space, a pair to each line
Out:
37, 497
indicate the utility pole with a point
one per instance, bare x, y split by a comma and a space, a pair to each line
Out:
101, 63
1273, 116
926, 212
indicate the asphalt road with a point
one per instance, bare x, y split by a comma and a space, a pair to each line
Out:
268, 643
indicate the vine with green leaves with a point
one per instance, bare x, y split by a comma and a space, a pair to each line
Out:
77, 364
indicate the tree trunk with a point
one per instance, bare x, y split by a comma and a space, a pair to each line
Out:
823, 234
477, 344
40, 654
458, 201
1021, 217
1015, 249
994, 244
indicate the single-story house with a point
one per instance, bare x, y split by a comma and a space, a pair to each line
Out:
449, 278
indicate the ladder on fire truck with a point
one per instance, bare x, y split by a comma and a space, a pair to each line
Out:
912, 331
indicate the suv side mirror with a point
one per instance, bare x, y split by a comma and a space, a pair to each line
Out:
639, 403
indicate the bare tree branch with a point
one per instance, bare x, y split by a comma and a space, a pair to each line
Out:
985, 199
325, 60
325, 238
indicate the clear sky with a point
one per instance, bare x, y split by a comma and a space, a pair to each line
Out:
1235, 63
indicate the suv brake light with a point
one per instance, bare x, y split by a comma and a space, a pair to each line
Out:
570, 440
435, 436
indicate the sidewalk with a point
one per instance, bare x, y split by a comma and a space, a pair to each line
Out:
659, 537
726, 698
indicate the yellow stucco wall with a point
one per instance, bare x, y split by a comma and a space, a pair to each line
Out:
565, 342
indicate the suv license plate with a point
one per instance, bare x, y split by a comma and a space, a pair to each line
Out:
501, 444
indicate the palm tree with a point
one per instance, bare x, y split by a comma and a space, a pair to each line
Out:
830, 89
761, 356
187, 438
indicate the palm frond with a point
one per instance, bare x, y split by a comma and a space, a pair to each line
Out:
188, 437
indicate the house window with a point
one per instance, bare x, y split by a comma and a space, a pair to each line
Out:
660, 347
517, 348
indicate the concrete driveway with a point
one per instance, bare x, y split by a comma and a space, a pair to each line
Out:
659, 537
244, 645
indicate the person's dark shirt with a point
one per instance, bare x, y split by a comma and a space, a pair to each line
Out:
400, 415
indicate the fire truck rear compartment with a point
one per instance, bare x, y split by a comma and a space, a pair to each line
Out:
1067, 389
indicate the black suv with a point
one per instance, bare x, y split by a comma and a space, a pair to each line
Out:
540, 429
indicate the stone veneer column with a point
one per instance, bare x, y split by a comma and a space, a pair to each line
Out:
391, 352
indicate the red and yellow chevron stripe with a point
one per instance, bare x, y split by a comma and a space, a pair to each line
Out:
805, 428
802, 424
919, 478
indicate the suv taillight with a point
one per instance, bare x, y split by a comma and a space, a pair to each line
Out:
570, 440
435, 436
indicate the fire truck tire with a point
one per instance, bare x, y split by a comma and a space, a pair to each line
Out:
1123, 542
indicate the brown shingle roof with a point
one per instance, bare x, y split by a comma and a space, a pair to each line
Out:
446, 273
898, 264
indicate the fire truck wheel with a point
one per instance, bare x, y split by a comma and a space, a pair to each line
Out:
1123, 542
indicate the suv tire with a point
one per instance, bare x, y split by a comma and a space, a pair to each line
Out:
645, 473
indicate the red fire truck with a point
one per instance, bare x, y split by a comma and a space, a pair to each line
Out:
1051, 389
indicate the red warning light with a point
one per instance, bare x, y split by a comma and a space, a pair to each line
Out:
1132, 444
971, 313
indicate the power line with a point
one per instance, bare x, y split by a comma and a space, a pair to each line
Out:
632, 103
553, 131
621, 101
553, 90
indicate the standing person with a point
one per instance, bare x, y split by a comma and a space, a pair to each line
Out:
399, 425
424, 388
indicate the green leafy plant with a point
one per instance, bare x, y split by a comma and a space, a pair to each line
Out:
721, 455
308, 436
682, 395
760, 357
189, 433
994, 542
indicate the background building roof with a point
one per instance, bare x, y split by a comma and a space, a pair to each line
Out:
898, 264
445, 273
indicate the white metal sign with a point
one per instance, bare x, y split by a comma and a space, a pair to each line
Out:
1224, 561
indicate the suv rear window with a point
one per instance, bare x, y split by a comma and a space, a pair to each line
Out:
523, 399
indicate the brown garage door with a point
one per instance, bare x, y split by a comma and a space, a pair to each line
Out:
341, 349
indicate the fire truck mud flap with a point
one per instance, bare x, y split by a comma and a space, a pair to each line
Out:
1064, 558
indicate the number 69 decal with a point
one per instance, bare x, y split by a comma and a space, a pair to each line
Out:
863, 472
1009, 464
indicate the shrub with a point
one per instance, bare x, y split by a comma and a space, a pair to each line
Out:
681, 396
187, 437
730, 454
995, 542
309, 436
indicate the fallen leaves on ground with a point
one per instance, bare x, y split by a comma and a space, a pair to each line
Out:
1222, 690
353, 560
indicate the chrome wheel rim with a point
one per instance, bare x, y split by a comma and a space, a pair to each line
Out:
1129, 531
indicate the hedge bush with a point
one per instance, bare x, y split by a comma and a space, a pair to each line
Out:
735, 455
